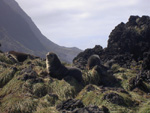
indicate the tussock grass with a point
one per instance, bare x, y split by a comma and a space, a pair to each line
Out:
124, 75
5, 76
39, 89
145, 108
65, 89
16, 104
95, 97
91, 77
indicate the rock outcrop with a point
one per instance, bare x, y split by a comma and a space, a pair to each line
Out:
114, 98
132, 37
76, 106
128, 41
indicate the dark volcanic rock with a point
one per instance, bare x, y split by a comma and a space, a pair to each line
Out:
135, 82
132, 37
146, 61
128, 41
114, 98
70, 105
92, 109
76, 106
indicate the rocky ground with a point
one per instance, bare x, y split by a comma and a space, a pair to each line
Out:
118, 82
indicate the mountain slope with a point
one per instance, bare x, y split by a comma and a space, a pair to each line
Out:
19, 29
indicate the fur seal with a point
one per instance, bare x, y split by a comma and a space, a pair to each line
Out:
21, 57
56, 70
93, 61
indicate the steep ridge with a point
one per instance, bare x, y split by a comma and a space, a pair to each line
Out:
21, 30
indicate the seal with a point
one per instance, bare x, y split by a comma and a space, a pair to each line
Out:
57, 70
93, 61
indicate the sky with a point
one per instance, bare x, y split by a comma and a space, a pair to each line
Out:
81, 23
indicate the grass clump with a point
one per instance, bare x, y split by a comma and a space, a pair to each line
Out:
91, 77
39, 89
94, 95
6, 76
145, 108
19, 104
65, 89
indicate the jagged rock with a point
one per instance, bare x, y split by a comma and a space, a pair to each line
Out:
69, 105
114, 98
120, 90
132, 37
29, 73
57, 70
146, 61
144, 75
76, 106
135, 82
128, 41
92, 109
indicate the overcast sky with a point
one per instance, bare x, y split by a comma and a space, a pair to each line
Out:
81, 23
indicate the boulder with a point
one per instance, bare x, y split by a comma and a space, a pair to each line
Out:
127, 41
69, 105
146, 61
76, 106
114, 98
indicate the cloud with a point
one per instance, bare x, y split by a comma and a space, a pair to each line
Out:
81, 23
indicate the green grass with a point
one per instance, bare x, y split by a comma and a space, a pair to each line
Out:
145, 108
65, 89
5, 76
91, 77
39, 89
95, 97
18, 96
